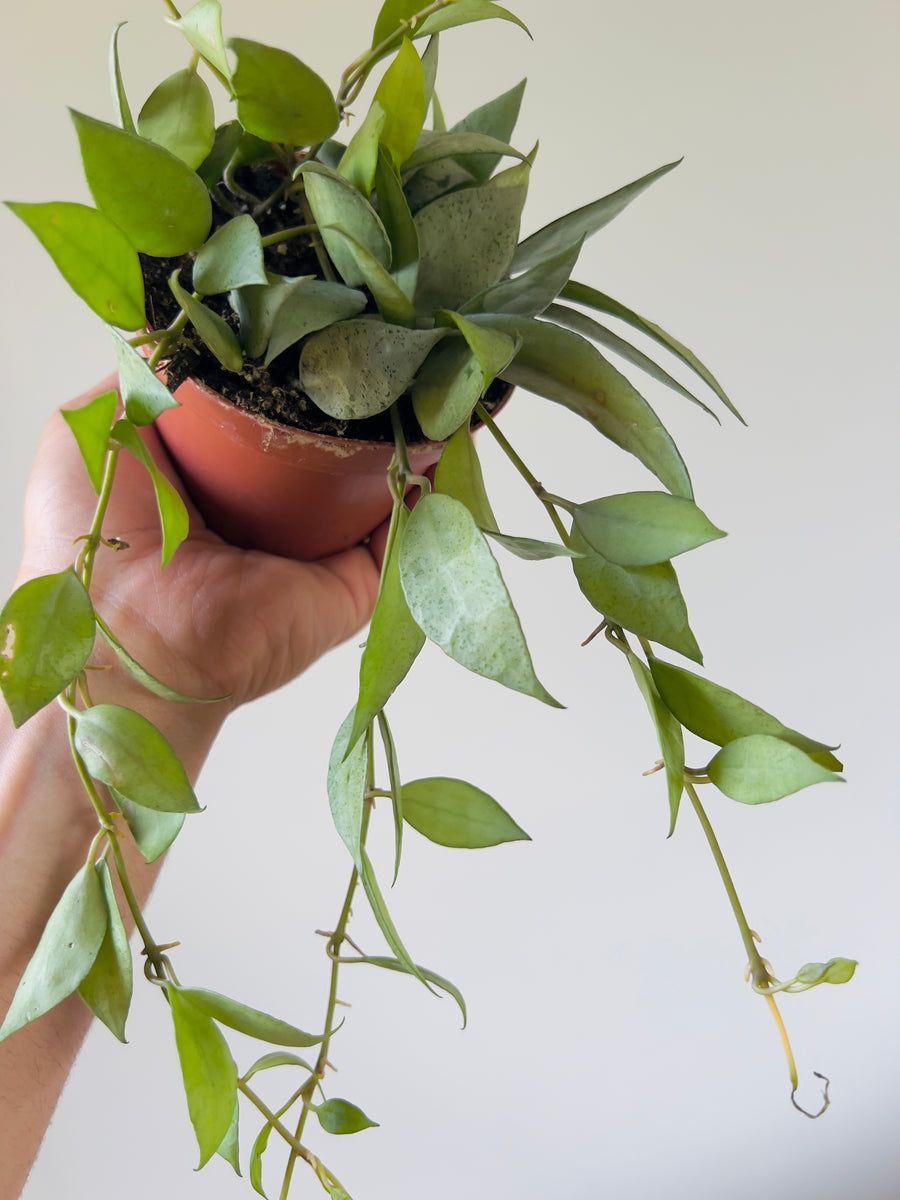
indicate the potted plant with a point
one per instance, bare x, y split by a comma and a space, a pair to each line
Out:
376, 289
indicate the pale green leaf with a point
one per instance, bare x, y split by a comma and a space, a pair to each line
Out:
248, 1020
393, 304
454, 813
401, 94
394, 639
458, 598
120, 99
143, 676
396, 787
277, 1058
121, 748
279, 98
173, 515
160, 204
143, 393
397, 219
446, 389
646, 600
153, 832
466, 243
360, 159
582, 222
638, 529
107, 987
230, 1148
179, 116
91, 425
496, 119
561, 314
65, 953
47, 627
531, 292
93, 255
337, 207
459, 474
359, 367
340, 1116
232, 258
256, 1156
394, 964
530, 549
218, 336
346, 788
308, 308
762, 768
718, 715
208, 1072
567, 369
465, 148
580, 293
202, 27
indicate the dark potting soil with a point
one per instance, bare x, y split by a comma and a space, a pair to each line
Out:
272, 391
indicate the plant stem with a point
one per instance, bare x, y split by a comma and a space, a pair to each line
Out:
536, 486
273, 239
357, 73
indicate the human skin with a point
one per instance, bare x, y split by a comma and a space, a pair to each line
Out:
218, 621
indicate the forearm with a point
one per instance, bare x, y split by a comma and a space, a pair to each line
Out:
46, 828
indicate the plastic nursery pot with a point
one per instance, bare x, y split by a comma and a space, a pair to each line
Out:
266, 486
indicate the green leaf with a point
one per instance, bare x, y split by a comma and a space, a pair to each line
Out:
143, 676
278, 1058
638, 529
437, 146
718, 715
308, 308
230, 1148
340, 1116
401, 93
493, 349
107, 987
91, 425
393, 210
393, 304
668, 732
531, 292
160, 204
202, 27
531, 549
65, 954
122, 749
582, 222
457, 596
762, 768
580, 293
179, 116
225, 147
447, 388
153, 832
393, 642
247, 1020
360, 159
646, 600
144, 395
120, 99
215, 333
561, 314
454, 813
464, 12
346, 788
393, 766
173, 515
256, 1155
257, 305
393, 18
466, 243
568, 370
338, 208
47, 626
232, 258
279, 98
458, 474
393, 964
359, 367
836, 970
93, 255
496, 119
208, 1071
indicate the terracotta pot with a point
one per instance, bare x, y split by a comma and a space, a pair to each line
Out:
266, 486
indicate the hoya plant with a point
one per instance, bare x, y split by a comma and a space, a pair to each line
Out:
370, 275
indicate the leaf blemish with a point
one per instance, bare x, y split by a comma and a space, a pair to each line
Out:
9, 642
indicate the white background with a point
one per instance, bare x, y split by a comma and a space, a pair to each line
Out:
613, 1048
